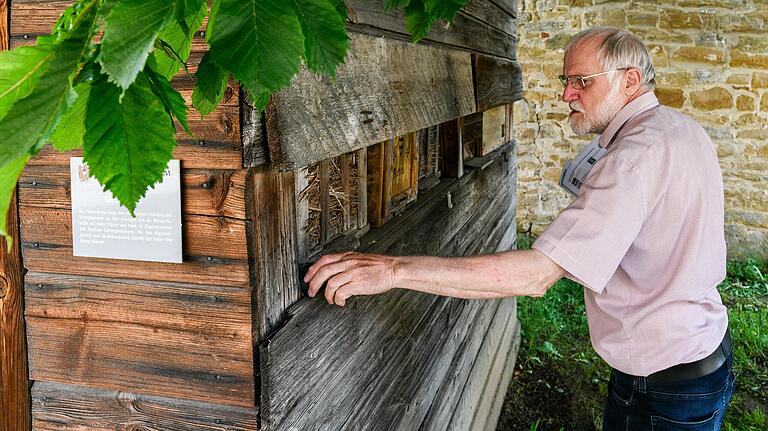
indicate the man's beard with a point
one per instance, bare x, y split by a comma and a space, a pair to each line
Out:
605, 111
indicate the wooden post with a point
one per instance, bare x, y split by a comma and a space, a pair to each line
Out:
14, 389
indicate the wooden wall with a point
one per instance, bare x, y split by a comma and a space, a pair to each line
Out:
117, 344
225, 340
14, 387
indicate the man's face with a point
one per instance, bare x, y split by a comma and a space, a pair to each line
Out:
594, 106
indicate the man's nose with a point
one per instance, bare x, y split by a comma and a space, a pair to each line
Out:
570, 94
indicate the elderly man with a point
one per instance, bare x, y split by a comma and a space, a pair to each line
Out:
644, 237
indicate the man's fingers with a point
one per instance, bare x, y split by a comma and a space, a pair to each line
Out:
324, 260
325, 272
334, 284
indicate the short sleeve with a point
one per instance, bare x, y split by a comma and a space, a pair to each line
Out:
592, 235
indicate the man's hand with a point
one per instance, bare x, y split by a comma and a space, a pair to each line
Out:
350, 274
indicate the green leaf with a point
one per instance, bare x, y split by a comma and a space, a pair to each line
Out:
325, 35
261, 100
211, 82
31, 120
68, 135
172, 100
20, 70
130, 31
417, 21
185, 10
444, 9
259, 41
395, 4
127, 144
341, 8
9, 175
179, 40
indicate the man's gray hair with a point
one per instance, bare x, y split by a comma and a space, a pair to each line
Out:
619, 49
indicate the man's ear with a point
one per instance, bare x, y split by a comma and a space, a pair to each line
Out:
632, 81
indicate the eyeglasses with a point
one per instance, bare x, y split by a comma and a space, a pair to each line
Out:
580, 82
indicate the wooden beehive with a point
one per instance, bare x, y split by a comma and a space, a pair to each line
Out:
225, 340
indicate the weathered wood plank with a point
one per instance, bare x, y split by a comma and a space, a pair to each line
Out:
490, 13
386, 88
399, 335
497, 81
273, 248
255, 149
451, 149
57, 407
215, 251
466, 33
473, 409
196, 154
204, 192
503, 384
450, 389
508, 6
14, 390
154, 338
494, 129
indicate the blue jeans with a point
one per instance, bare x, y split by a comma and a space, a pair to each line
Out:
698, 404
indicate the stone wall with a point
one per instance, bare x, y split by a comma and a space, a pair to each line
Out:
711, 59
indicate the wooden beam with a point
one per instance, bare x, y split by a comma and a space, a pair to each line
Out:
14, 384
170, 339
58, 407
385, 89
484, 29
497, 81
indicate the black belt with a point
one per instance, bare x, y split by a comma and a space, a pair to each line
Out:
696, 369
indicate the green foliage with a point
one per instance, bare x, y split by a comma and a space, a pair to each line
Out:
210, 86
126, 146
130, 31
115, 99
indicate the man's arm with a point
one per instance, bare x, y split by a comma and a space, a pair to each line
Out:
512, 273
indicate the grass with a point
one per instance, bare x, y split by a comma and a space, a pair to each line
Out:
561, 383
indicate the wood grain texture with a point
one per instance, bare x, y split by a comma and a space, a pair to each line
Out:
167, 339
490, 13
407, 341
273, 247
503, 384
494, 129
255, 149
467, 32
497, 81
215, 251
386, 88
203, 191
59, 407
14, 384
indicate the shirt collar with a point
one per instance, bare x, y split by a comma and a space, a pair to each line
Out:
643, 103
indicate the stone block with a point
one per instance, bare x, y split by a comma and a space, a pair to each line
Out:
761, 134
699, 54
658, 55
654, 35
680, 20
609, 17
746, 23
749, 60
764, 103
731, 4
760, 80
745, 102
739, 81
751, 43
672, 97
678, 78
758, 150
642, 19
747, 121
711, 99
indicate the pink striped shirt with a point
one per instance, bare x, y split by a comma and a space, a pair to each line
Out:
645, 237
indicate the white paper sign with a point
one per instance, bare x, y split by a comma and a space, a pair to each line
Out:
103, 228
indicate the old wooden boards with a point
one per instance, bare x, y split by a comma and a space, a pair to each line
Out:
386, 88
14, 386
118, 344
404, 360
